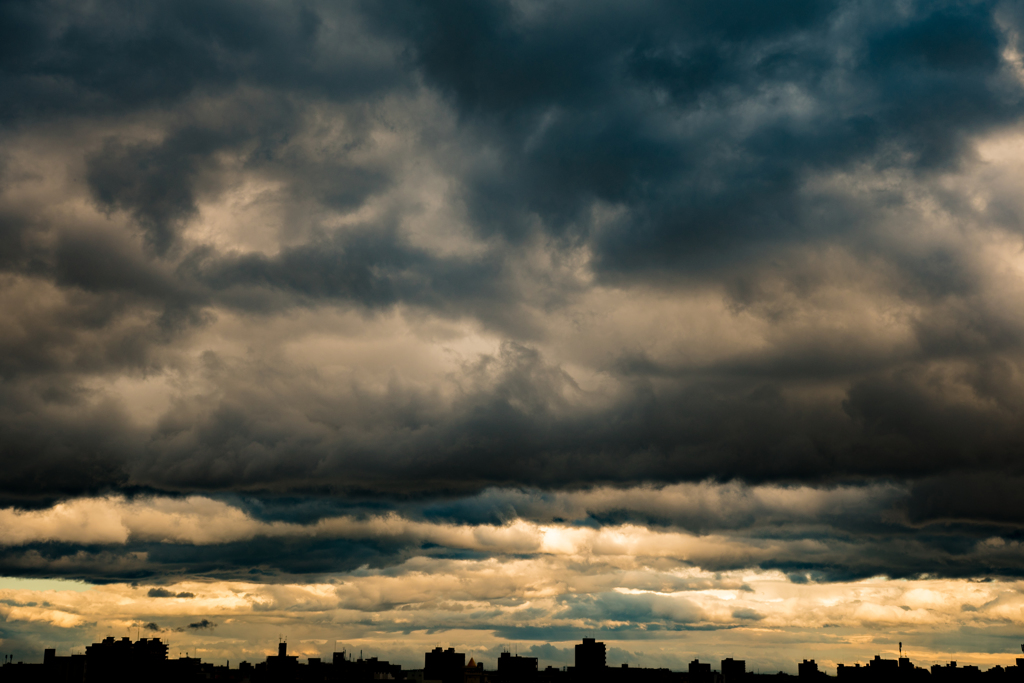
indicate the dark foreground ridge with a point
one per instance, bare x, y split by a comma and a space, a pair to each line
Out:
145, 661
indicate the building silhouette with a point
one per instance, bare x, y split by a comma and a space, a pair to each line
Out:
123, 661
590, 660
699, 672
282, 666
446, 666
733, 670
475, 673
63, 669
807, 669
513, 668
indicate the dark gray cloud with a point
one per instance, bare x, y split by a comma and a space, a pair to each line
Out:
747, 614
191, 192
665, 611
115, 56
575, 96
164, 593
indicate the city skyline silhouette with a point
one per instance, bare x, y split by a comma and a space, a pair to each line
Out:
122, 660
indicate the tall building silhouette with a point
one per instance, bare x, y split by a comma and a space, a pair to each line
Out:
447, 666
699, 672
590, 660
733, 670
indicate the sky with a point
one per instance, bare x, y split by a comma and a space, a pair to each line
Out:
696, 327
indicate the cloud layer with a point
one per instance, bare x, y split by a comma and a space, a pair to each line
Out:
294, 291
662, 617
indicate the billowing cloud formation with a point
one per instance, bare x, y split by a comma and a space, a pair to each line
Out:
808, 533
308, 290
438, 250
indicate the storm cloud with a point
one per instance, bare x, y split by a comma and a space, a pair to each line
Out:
304, 291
